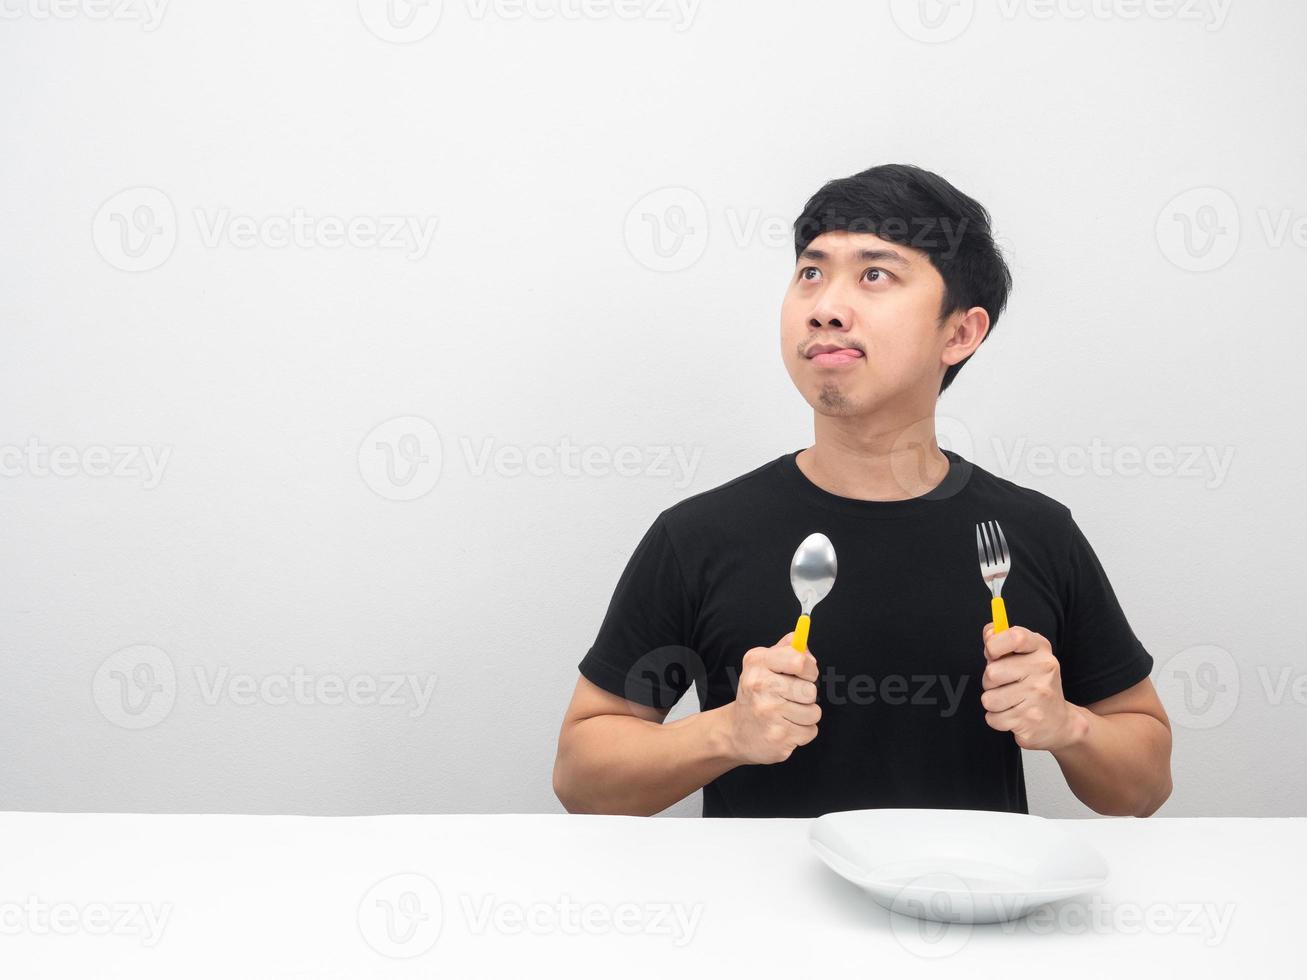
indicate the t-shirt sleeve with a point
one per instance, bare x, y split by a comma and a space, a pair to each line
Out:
1099, 654
642, 650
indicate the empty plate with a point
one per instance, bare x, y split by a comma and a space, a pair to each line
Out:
957, 865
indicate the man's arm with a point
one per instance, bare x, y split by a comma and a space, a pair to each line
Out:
617, 756
1114, 753
1120, 762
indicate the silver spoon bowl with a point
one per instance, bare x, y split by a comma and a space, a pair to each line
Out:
812, 576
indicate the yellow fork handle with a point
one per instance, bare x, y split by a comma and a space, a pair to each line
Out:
800, 641
999, 612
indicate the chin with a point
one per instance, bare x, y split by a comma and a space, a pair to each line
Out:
834, 399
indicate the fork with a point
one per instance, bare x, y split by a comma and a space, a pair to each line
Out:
995, 563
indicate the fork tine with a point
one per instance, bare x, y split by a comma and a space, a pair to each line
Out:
1006, 556
986, 545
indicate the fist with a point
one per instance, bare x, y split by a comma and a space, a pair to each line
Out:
775, 708
1022, 689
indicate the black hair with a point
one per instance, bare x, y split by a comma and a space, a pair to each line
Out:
914, 207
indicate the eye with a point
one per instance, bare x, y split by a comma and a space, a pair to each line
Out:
803, 273
883, 274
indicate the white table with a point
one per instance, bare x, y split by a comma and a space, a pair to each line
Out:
122, 895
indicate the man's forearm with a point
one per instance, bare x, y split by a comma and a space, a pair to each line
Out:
626, 765
1118, 764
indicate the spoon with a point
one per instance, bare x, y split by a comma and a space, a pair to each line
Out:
812, 575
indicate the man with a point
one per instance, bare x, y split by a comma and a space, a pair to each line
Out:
907, 697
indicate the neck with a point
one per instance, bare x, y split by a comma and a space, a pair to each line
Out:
892, 460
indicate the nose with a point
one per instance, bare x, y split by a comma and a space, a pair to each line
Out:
830, 314
831, 309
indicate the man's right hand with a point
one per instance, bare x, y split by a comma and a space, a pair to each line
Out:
775, 708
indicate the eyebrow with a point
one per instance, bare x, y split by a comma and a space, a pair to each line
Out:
866, 255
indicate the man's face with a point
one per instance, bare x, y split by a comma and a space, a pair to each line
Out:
877, 300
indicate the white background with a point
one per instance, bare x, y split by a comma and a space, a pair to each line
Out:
152, 160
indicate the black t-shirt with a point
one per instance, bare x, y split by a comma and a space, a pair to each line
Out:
897, 642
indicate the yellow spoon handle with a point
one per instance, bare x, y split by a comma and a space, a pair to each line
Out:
999, 612
800, 641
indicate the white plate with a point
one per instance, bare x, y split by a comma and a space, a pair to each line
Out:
957, 865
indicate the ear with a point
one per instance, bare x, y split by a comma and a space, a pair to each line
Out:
965, 335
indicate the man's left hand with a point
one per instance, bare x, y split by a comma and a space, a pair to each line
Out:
1023, 691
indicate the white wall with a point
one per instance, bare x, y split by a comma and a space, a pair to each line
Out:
538, 312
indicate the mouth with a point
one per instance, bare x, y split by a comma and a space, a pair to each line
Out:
837, 357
